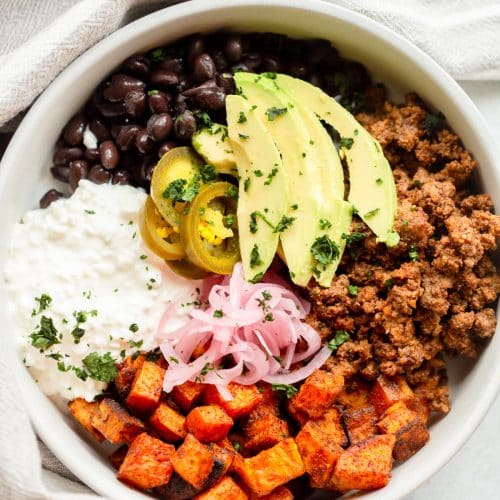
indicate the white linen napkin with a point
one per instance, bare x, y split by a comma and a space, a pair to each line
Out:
39, 38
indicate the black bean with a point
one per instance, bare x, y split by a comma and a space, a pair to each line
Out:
358, 75
185, 125
233, 48
137, 65
63, 156
115, 129
253, 60
99, 175
143, 142
211, 98
159, 102
163, 78
121, 177
195, 47
240, 67
318, 50
120, 86
99, 129
144, 169
297, 69
173, 64
185, 82
60, 173
220, 60
226, 83
272, 64
50, 196
111, 109
73, 132
91, 155
166, 147
204, 67
135, 103
159, 126
109, 155
78, 169
181, 104
126, 137
205, 85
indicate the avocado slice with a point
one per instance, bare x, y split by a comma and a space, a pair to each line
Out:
212, 144
262, 200
372, 188
305, 196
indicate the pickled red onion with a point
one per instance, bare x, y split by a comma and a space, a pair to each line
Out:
259, 325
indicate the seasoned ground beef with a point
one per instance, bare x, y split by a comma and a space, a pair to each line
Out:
433, 293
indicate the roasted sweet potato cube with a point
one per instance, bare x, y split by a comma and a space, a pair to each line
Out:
176, 489
385, 392
187, 394
118, 456
245, 399
355, 394
395, 418
412, 401
208, 423
364, 466
320, 445
271, 400
317, 393
126, 374
168, 423
226, 489
360, 423
115, 423
193, 461
411, 438
264, 431
223, 461
84, 412
272, 468
146, 389
281, 493
147, 463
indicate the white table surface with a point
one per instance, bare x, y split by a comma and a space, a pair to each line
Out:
473, 473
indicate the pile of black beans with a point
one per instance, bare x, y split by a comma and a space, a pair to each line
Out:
156, 101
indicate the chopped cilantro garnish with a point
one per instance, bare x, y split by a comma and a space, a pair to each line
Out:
270, 176
341, 336
208, 173
371, 213
283, 224
256, 278
44, 302
379, 181
218, 313
173, 359
134, 327
273, 113
413, 253
80, 373
325, 224
90, 212
77, 333
243, 136
433, 122
258, 173
289, 390
232, 191
136, 344
100, 367
175, 190
269, 74
255, 259
353, 290
294, 206
324, 250
46, 335
246, 184
242, 118
346, 142
158, 54
389, 283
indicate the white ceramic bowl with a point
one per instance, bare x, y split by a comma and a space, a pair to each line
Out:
391, 59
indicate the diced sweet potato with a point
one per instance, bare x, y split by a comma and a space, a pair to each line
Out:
317, 393
360, 423
126, 374
84, 412
118, 456
320, 445
271, 400
208, 423
395, 418
412, 401
193, 461
146, 389
245, 399
147, 463
168, 423
364, 466
223, 460
354, 395
385, 392
226, 489
115, 423
187, 394
272, 468
410, 439
177, 489
281, 493
264, 430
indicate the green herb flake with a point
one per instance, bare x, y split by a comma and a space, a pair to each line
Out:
413, 253
153, 356
289, 390
243, 136
353, 290
389, 283
242, 118
46, 335
175, 190
273, 113
136, 344
134, 327
269, 74
218, 313
271, 176
44, 302
173, 359
371, 213
346, 142
379, 181
232, 191
100, 367
283, 224
255, 259
324, 224
158, 55
341, 336
417, 183
256, 278
77, 333
294, 206
258, 173
90, 212
208, 173
143, 257
201, 210
433, 122
324, 250
80, 373
246, 184
153, 92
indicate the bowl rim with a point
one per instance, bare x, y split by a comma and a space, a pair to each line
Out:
196, 7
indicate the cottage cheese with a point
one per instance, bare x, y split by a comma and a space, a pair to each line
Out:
86, 254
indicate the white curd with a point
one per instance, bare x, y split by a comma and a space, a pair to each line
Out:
86, 254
